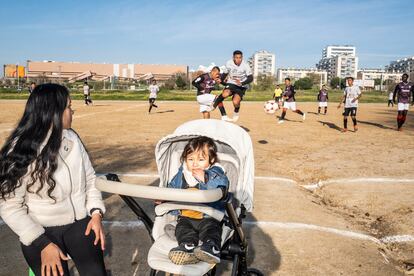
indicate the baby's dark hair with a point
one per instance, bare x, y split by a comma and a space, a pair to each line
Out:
199, 143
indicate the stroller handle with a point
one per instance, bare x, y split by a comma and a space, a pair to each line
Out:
159, 193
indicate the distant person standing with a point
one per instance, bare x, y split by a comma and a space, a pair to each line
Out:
154, 89
277, 96
403, 91
87, 93
32, 87
352, 94
391, 99
323, 99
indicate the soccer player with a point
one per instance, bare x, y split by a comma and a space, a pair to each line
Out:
87, 93
403, 91
352, 94
205, 83
289, 101
277, 96
154, 89
238, 75
323, 99
390, 99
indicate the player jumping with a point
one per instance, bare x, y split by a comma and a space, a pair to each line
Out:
238, 75
289, 101
323, 99
352, 94
403, 91
205, 83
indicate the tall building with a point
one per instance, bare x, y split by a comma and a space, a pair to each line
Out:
339, 61
295, 74
263, 63
405, 65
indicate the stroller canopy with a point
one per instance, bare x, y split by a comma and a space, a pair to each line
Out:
235, 154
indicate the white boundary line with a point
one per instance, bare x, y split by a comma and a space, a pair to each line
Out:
371, 180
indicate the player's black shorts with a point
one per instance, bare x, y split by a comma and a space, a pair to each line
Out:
151, 100
350, 111
235, 89
277, 99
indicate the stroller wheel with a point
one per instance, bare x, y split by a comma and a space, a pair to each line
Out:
254, 272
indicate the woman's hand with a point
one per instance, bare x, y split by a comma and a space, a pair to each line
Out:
95, 224
51, 264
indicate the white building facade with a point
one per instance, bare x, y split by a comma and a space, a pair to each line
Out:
263, 63
339, 61
298, 73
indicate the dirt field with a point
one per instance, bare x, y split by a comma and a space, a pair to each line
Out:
361, 223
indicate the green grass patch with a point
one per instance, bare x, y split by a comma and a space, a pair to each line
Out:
187, 95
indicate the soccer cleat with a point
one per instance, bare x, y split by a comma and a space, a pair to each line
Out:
355, 128
208, 253
281, 121
235, 117
183, 254
304, 116
225, 118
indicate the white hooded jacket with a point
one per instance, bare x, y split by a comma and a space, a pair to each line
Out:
76, 195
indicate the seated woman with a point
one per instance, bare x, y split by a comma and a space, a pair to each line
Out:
47, 188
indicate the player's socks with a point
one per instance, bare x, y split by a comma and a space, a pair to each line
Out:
154, 105
235, 117
319, 110
345, 123
222, 109
299, 112
218, 101
282, 117
326, 110
303, 116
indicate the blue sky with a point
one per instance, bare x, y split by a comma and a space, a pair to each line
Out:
201, 32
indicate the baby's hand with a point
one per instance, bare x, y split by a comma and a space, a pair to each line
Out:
199, 174
158, 202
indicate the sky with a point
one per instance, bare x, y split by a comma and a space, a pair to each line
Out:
201, 32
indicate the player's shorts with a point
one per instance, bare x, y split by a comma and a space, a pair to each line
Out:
278, 99
403, 106
151, 100
323, 104
350, 111
235, 89
290, 105
205, 102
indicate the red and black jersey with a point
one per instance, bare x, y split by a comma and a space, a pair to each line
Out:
204, 83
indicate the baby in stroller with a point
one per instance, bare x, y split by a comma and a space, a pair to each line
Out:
198, 235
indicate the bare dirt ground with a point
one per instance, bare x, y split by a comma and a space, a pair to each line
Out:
335, 229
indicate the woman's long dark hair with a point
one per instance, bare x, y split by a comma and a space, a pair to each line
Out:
41, 123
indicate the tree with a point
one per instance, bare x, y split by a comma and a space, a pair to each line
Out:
335, 82
316, 79
304, 83
181, 81
377, 81
264, 82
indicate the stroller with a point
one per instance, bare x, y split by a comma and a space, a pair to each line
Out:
235, 153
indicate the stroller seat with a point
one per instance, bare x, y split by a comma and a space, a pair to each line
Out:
235, 154
164, 237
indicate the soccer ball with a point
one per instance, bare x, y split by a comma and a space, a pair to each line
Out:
270, 107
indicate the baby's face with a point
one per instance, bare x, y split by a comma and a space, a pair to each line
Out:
197, 160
